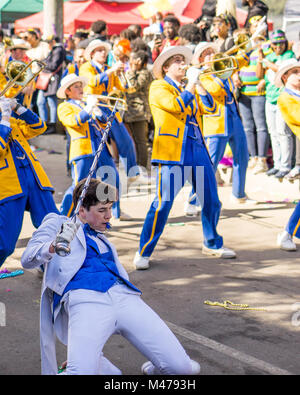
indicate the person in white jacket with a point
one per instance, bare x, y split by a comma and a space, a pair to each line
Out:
87, 295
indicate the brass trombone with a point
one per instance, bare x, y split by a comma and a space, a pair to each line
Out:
222, 65
110, 100
243, 42
19, 73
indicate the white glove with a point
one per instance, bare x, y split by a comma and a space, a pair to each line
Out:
117, 66
192, 75
16, 107
67, 232
97, 112
261, 28
5, 106
91, 102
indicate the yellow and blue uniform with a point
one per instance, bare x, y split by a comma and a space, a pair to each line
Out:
24, 183
72, 68
225, 126
85, 135
180, 154
99, 83
289, 105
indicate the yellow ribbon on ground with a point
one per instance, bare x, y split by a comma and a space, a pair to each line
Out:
227, 304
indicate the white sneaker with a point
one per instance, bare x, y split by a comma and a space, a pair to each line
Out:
242, 201
141, 262
195, 367
124, 217
252, 162
222, 252
190, 210
139, 180
285, 242
148, 368
261, 166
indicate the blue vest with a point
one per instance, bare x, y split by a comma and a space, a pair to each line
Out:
98, 272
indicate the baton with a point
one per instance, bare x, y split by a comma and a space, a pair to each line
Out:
63, 248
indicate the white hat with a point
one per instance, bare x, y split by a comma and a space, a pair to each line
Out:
201, 47
19, 43
67, 81
285, 66
167, 53
93, 45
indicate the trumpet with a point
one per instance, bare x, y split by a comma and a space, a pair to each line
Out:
19, 73
125, 82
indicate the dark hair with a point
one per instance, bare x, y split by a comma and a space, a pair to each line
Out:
98, 26
138, 44
33, 32
136, 28
128, 34
141, 55
81, 34
191, 33
97, 192
172, 19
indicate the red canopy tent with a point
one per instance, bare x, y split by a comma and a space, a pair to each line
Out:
81, 14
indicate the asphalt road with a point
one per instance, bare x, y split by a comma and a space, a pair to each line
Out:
262, 340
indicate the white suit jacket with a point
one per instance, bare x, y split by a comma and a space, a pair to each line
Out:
58, 272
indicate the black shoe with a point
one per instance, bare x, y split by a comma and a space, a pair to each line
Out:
272, 172
51, 128
281, 174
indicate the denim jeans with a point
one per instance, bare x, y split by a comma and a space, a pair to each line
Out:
252, 109
42, 102
281, 138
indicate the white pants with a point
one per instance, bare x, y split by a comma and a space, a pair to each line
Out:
95, 316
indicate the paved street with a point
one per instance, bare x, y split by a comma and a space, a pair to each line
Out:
262, 340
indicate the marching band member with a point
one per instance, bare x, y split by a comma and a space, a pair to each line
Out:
17, 51
179, 148
87, 295
225, 124
24, 183
102, 80
85, 136
79, 59
288, 75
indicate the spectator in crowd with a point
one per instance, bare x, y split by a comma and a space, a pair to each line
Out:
98, 32
140, 45
119, 53
70, 48
228, 7
54, 65
171, 27
280, 133
190, 35
138, 115
127, 34
39, 49
255, 7
252, 101
79, 36
220, 33
137, 29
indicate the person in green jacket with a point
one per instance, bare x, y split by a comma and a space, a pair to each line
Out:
280, 133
